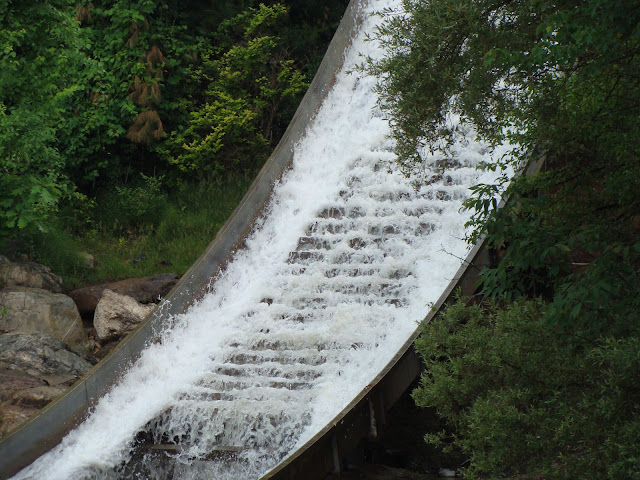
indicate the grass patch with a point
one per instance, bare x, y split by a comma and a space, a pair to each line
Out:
169, 239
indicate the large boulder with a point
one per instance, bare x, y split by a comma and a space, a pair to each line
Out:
31, 310
28, 274
144, 290
37, 397
22, 394
12, 416
12, 382
117, 315
20, 388
40, 356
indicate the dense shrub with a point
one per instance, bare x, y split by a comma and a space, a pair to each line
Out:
40, 60
522, 398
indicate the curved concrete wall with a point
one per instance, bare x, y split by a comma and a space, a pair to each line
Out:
49, 425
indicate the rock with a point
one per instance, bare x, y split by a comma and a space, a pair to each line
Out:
37, 397
139, 258
65, 379
39, 355
118, 314
22, 395
14, 381
28, 274
145, 290
20, 388
88, 259
31, 310
12, 416
447, 473
105, 349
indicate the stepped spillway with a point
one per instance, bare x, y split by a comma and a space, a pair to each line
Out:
334, 277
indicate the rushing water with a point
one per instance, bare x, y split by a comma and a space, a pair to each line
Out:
333, 280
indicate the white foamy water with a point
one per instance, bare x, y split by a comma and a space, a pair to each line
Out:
333, 281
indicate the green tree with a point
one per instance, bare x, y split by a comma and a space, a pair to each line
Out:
552, 78
141, 47
40, 60
250, 84
93, 94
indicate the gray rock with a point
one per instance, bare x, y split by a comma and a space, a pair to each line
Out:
447, 473
33, 310
12, 416
117, 315
37, 397
28, 274
39, 355
12, 382
145, 290
88, 259
20, 388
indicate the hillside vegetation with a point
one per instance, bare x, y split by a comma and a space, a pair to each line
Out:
135, 126
538, 377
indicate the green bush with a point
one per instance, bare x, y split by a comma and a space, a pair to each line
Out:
522, 398
133, 208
